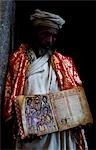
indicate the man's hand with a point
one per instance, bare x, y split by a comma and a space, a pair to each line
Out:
20, 99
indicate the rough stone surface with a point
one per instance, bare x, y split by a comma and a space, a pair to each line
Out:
6, 34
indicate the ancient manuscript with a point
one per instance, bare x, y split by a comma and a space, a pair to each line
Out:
43, 114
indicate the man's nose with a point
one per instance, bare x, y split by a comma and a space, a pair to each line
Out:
50, 40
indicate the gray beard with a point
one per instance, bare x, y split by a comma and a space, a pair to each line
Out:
43, 51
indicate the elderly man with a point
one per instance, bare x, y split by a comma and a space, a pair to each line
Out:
40, 69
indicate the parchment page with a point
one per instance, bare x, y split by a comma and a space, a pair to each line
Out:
71, 108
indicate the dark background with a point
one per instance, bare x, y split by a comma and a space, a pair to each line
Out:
77, 39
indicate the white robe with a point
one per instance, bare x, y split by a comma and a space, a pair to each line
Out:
41, 79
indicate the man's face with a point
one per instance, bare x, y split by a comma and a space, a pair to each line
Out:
46, 37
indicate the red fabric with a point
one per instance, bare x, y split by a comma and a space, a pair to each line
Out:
67, 75
18, 64
64, 67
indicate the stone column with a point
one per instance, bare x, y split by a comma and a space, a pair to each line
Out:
7, 17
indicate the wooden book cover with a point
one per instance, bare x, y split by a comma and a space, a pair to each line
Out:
43, 114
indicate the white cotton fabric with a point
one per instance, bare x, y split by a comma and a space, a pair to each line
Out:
41, 79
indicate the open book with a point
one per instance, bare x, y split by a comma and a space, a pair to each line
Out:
43, 114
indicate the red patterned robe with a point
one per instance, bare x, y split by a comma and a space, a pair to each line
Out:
64, 67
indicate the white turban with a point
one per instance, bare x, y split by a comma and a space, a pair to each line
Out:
43, 18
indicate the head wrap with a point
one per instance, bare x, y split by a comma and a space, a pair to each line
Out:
43, 18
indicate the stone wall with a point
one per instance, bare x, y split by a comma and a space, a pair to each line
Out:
7, 19
7, 11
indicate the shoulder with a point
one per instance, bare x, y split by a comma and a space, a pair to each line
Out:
18, 53
63, 58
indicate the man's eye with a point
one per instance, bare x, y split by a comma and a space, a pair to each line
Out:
47, 33
44, 34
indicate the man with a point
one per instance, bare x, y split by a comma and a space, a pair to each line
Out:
39, 69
